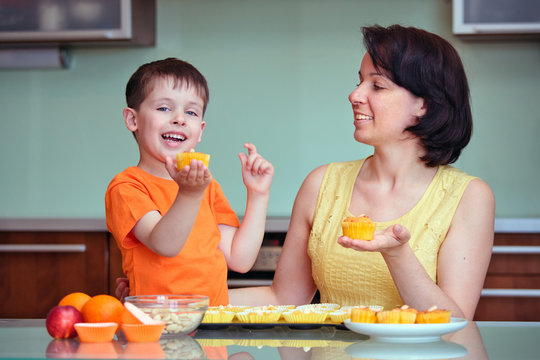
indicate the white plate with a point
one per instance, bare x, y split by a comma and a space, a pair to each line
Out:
406, 332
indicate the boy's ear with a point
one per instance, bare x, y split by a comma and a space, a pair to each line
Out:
203, 124
130, 118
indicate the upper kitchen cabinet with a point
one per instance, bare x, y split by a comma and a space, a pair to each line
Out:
77, 22
494, 20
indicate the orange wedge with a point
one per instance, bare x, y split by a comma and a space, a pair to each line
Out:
133, 315
143, 332
96, 332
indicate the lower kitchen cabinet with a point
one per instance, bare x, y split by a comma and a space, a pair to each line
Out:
512, 286
39, 268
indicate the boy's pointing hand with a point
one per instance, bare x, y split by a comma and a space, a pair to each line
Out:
257, 172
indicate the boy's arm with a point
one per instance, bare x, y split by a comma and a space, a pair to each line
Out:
166, 235
241, 246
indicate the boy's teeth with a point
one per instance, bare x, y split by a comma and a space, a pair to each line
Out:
363, 117
174, 137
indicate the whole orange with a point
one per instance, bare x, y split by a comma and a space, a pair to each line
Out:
103, 308
76, 299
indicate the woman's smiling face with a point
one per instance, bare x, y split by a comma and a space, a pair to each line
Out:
382, 110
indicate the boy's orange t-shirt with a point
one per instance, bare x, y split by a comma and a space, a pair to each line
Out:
199, 268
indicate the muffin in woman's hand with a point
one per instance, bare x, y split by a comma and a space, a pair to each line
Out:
361, 227
183, 159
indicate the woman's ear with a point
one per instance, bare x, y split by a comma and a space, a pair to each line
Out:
422, 108
130, 119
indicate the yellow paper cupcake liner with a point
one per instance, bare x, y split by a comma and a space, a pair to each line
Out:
433, 317
339, 316
359, 230
183, 159
388, 316
258, 317
308, 317
363, 315
217, 316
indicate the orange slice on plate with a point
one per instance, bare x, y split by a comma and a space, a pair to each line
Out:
96, 332
133, 315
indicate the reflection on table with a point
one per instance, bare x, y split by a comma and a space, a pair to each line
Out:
483, 340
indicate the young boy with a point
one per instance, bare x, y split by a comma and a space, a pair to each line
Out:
175, 228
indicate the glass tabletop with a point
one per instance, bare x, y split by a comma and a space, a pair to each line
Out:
28, 339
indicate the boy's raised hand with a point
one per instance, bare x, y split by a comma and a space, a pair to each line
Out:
257, 172
192, 179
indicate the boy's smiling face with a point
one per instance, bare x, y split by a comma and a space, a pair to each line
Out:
168, 121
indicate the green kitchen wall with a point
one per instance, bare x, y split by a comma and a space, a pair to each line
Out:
279, 74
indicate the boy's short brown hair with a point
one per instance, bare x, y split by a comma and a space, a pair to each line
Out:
180, 72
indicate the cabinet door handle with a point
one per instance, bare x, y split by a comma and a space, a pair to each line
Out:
511, 292
516, 249
30, 248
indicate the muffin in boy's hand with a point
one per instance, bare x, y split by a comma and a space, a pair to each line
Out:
183, 159
360, 227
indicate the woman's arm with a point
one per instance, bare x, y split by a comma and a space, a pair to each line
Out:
462, 263
293, 283
466, 252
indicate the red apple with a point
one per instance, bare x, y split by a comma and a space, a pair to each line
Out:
60, 321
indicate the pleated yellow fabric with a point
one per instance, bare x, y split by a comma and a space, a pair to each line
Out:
350, 277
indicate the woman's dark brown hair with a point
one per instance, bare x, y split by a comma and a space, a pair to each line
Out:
429, 67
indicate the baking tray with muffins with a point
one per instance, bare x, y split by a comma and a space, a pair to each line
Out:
309, 316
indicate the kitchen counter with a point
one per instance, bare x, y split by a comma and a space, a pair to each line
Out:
273, 224
28, 339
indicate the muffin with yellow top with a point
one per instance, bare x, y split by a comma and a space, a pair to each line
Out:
183, 159
389, 316
407, 315
319, 306
233, 308
433, 315
361, 227
258, 316
348, 308
363, 315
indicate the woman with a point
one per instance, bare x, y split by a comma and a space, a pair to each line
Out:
434, 223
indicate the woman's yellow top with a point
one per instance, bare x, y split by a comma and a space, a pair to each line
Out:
349, 277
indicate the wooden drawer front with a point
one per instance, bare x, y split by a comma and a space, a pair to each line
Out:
38, 269
512, 286
508, 309
515, 264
